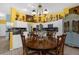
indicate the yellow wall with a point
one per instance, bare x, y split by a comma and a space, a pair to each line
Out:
54, 15
13, 14
62, 14
11, 40
12, 19
43, 18
36, 18
66, 10
21, 16
2, 21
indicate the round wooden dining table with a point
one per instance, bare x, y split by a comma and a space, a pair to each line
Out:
41, 45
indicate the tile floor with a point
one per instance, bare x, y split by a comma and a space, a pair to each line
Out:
4, 49
68, 51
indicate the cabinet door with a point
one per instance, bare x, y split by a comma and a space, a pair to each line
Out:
17, 43
66, 26
75, 26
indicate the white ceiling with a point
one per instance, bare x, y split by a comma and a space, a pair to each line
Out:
28, 7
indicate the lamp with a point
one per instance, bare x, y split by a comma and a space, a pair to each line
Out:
39, 12
33, 12
45, 12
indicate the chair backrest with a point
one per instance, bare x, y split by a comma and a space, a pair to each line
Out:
33, 36
23, 39
50, 35
60, 42
61, 39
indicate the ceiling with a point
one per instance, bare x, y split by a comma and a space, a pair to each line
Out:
28, 7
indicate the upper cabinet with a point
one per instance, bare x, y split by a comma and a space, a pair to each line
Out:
74, 10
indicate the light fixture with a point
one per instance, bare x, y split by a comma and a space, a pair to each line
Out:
39, 11
45, 11
33, 12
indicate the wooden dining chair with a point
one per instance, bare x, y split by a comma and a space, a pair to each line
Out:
60, 44
59, 50
33, 36
26, 50
50, 35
